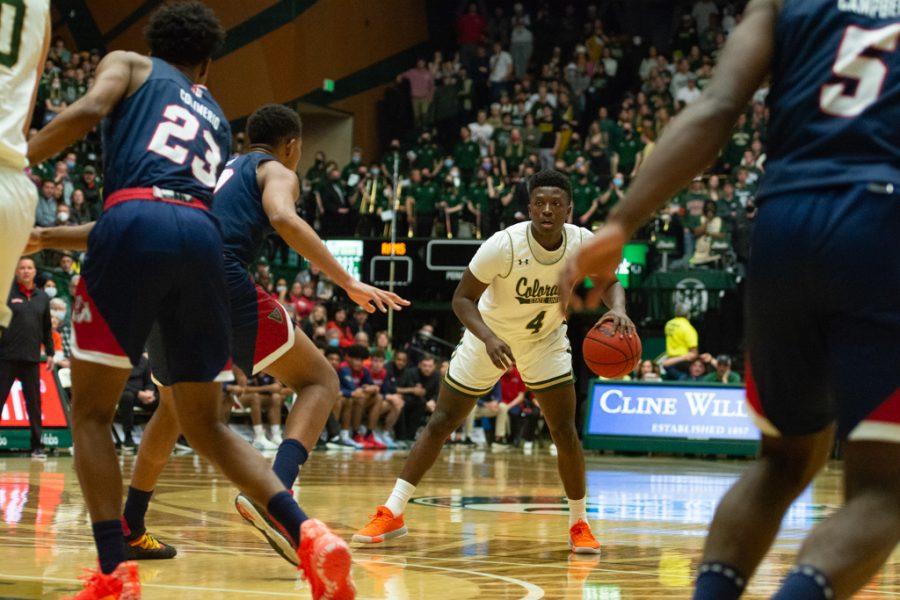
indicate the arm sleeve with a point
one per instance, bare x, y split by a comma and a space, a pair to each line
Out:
493, 259
346, 381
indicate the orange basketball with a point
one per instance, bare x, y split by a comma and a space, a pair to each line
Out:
610, 355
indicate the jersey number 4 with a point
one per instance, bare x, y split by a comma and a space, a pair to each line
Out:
855, 61
12, 17
537, 322
180, 124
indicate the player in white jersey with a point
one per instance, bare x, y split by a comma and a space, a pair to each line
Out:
508, 300
24, 40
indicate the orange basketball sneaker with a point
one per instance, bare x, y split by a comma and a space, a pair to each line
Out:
383, 526
121, 584
325, 562
581, 540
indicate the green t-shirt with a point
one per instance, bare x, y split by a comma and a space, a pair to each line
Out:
477, 194
426, 154
713, 377
740, 141
693, 202
628, 149
425, 194
466, 155
515, 155
583, 195
571, 155
743, 192
500, 138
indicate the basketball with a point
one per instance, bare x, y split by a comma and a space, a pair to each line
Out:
608, 354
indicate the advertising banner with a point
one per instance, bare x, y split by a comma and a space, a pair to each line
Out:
14, 418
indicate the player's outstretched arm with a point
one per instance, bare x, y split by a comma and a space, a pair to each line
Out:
59, 238
111, 83
280, 188
691, 142
465, 305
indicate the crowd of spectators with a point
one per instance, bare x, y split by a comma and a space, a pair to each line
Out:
543, 85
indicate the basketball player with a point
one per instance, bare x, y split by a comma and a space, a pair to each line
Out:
23, 50
155, 257
256, 194
823, 316
507, 300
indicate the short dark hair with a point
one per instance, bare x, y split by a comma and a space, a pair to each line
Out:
379, 353
550, 178
184, 33
272, 124
357, 351
331, 351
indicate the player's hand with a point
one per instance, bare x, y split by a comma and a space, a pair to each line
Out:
34, 242
367, 295
598, 258
500, 353
621, 323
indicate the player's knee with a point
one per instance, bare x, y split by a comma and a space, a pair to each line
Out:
564, 433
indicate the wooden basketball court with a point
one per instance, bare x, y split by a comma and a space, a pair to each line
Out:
484, 525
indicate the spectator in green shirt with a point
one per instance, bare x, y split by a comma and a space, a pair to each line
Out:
393, 159
316, 173
427, 153
452, 203
516, 151
421, 204
723, 373
729, 207
352, 168
466, 153
479, 200
574, 150
627, 149
743, 190
501, 137
611, 196
585, 198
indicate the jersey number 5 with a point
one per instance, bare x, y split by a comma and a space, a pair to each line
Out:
182, 125
12, 17
855, 62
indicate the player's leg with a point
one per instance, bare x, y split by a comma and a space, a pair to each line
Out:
788, 393
559, 412
160, 435
847, 549
452, 409
95, 392
16, 220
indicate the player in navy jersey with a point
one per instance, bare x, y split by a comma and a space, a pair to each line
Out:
823, 317
155, 258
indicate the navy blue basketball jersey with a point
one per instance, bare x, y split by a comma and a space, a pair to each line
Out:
835, 95
169, 134
239, 208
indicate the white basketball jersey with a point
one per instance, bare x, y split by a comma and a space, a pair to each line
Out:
23, 30
521, 302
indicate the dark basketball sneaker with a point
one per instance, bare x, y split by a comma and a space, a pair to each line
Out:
147, 547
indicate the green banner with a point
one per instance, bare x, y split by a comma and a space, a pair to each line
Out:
700, 289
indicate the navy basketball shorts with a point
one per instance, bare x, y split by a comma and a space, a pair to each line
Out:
261, 331
150, 263
823, 313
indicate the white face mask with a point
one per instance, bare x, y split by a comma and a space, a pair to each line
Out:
281, 288
59, 314
50, 291
62, 217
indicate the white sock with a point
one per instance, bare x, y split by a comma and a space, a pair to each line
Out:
276, 430
345, 434
259, 431
403, 491
577, 510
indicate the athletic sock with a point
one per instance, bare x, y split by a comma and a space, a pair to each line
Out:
108, 537
805, 582
291, 454
276, 431
136, 504
259, 432
403, 491
719, 581
288, 513
577, 510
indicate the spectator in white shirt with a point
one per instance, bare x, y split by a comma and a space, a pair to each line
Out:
689, 93
702, 10
609, 63
501, 71
481, 132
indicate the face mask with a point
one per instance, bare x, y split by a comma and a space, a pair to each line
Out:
486, 165
59, 314
448, 163
355, 160
281, 288
62, 217
50, 291
617, 181
334, 342
375, 172
70, 164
